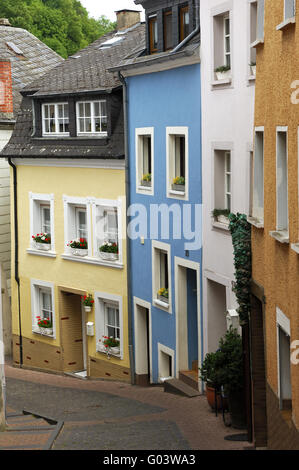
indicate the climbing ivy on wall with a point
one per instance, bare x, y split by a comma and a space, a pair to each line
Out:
240, 230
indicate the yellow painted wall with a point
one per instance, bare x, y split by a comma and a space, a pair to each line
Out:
275, 265
76, 182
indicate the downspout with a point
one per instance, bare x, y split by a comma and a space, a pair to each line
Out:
194, 32
128, 245
16, 234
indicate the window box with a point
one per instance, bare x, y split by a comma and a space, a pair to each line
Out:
253, 70
281, 236
225, 75
79, 251
146, 184
163, 299
115, 351
108, 256
42, 246
46, 331
222, 219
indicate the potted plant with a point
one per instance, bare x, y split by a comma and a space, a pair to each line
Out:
45, 326
146, 180
232, 376
109, 251
179, 184
42, 241
112, 345
78, 247
223, 72
211, 375
221, 215
163, 295
87, 302
253, 68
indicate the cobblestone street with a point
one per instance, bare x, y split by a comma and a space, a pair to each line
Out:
102, 415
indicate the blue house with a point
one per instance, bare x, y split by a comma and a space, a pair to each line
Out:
162, 92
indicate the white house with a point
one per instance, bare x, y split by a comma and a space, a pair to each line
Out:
230, 31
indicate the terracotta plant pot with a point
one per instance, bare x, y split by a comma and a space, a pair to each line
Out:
210, 394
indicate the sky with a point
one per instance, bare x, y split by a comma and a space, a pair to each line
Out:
96, 8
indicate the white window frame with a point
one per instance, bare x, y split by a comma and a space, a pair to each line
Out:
56, 133
171, 133
93, 132
106, 205
218, 51
170, 352
257, 213
70, 205
139, 133
283, 323
260, 27
252, 34
227, 174
227, 53
36, 286
157, 247
36, 201
223, 147
287, 19
101, 299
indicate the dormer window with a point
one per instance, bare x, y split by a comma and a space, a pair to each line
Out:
184, 22
153, 33
55, 117
92, 118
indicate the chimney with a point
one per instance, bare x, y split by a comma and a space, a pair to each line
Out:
127, 18
4, 22
6, 102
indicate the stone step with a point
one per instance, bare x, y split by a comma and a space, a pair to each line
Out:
178, 387
189, 377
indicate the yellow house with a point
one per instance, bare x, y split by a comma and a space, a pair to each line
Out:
275, 229
69, 216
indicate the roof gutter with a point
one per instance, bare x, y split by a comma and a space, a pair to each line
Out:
128, 245
194, 32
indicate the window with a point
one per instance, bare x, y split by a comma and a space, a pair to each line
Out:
144, 160
55, 119
106, 218
77, 223
284, 363
177, 162
41, 209
161, 275
108, 320
92, 117
227, 47
165, 362
289, 9
168, 30
184, 22
222, 39
282, 181
42, 305
222, 181
153, 34
253, 32
258, 11
258, 177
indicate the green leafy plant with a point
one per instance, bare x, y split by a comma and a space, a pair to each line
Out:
163, 292
110, 342
147, 177
179, 180
241, 238
217, 212
87, 300
80, 243
222, 68
44, 323
42, 238
108, 247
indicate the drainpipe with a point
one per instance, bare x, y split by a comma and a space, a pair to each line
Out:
194, 32
17, 279
128, 245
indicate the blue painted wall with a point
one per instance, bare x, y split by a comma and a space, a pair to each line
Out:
160, 100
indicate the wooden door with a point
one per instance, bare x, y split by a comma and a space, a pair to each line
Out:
71, 332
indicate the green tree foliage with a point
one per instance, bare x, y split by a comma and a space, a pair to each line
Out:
64, 25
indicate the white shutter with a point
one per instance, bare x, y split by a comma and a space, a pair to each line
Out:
260, 19
289, 9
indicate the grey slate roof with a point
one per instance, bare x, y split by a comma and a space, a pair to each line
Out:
36, 60
85, 71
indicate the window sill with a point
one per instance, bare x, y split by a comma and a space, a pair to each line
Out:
145, 189
256, 43
118, 356
258, 223
37, 332
285, 24
226, 81
49, 253
92, 260
251, 78
282, 236
295, 247
159, 303
221, 226
100, 135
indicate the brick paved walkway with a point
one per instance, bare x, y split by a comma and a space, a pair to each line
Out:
106, 415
